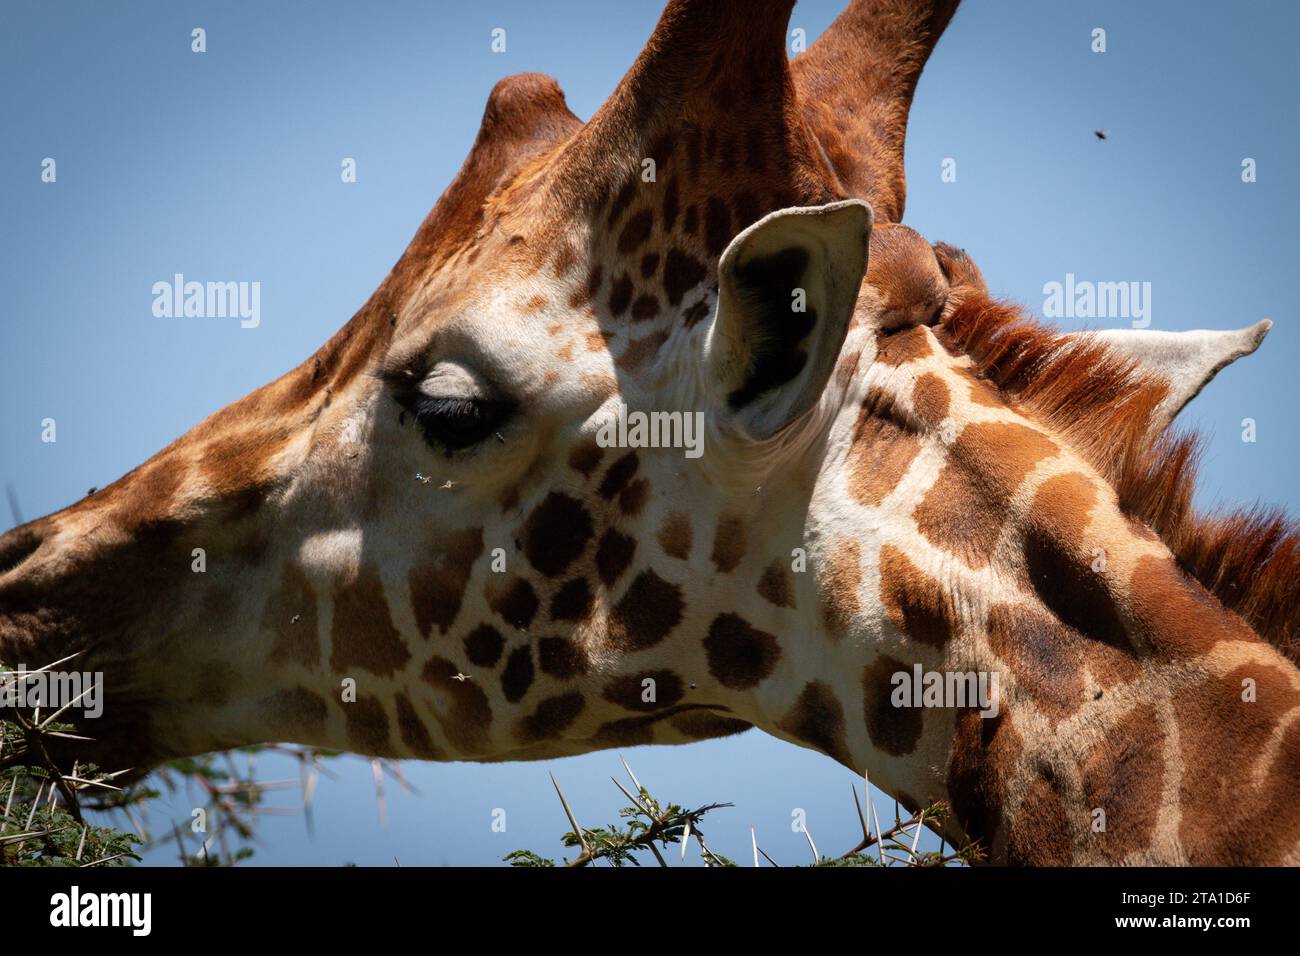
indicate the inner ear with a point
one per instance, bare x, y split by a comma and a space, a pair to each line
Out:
767, 288
787, 289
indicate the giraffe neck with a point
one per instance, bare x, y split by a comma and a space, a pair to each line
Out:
1135, 720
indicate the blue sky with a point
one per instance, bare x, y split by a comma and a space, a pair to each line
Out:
226, 165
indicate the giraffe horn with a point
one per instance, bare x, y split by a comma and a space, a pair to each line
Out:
525, 114
862, 72
711, 74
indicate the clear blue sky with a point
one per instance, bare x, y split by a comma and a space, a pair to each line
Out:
226, 166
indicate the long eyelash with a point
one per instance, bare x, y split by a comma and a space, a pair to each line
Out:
454, 407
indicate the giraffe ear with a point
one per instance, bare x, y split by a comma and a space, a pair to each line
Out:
1185, 361
787, 286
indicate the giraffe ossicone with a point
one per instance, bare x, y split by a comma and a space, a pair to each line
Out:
898, 473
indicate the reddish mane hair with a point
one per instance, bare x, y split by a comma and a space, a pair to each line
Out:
1249, 558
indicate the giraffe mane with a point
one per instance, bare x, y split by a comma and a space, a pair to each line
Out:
1249, 557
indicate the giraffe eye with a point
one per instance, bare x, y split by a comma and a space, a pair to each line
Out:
456, 423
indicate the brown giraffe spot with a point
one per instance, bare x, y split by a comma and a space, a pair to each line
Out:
930, 398
556, 533
622, 199
817, 719
619, 474
905, 345
620, 295
681, 274
728, 543
1176, 614
535, 304
1044, 655
565, 354
717, 226
367, 726
914, 601
840, 575
670, 205
882, 449
572, 602
691, 221
647, 613
599, 340
632, 498
514, 599
644, 308
965, 509
675, 535
438, 579
740, 655
518, 674
777, 584
412, 730
630, 690
363, 634
1041, 834
586, 456
613, 555
636, 231
551, 717
461, 707
1231, 817
698, 311
703, 724
561, 657
984, 755
290, 614
639, 351
566, 258
585, 294
1059, 569
649, 266
1123, 775
895, 730
847, 366
294, 713
483, 646
626, 732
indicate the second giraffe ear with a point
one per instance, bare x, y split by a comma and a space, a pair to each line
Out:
1184, 361
787, 286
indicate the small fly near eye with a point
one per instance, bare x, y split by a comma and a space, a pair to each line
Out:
501, 438
295, 619
447, 484
422, 479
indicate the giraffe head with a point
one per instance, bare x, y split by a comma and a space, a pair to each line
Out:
661, 428
443, 504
